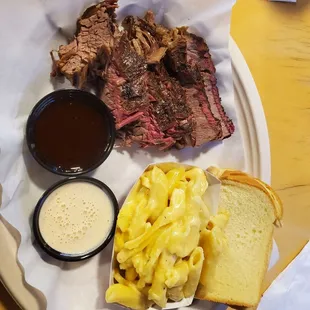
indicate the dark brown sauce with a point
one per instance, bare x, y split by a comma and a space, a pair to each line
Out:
72, 136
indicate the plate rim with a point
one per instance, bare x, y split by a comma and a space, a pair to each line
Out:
259, 155
243, 77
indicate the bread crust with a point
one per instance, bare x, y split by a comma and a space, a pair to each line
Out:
242, 177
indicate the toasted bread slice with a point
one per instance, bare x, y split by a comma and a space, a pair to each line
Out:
236, 275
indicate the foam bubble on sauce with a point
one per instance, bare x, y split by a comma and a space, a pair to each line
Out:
76, 218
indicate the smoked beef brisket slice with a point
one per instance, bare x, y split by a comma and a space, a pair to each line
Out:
125, 89
94, 37
146, 36
126, 94
189, 59
217, 109
168, 102
198, 55
169, 107
203, 125
177, 60
203, 131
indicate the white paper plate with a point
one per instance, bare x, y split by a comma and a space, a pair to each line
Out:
254, 132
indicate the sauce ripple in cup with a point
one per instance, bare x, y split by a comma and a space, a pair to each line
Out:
75, 219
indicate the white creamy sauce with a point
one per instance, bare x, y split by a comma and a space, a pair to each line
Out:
76, 218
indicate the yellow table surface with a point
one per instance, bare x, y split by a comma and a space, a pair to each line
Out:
275, 41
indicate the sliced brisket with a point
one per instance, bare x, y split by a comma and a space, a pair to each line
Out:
159, 83
167, 97
125, 90
198, 57
217, 109
187, 59
149, 106
203, 130
94, 42
125, 93
169, 106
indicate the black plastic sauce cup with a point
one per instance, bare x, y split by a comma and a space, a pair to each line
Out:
82, 98
65, 256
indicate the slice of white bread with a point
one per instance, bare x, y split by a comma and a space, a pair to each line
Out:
235, 275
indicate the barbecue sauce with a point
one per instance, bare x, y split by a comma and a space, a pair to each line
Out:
72, 136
